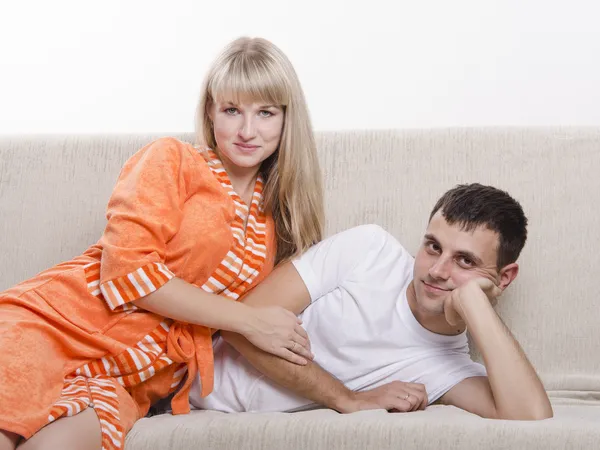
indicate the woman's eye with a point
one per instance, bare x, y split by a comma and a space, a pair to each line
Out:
231, 111
265, 113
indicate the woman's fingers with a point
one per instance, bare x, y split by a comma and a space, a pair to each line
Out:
301, 331
302, 339
301, 349
292, 357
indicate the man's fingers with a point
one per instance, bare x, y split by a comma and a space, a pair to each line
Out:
490, 288
415, 398
398, 404
407, 401
425, 401
417, 395
484, 283
416, 386
422, 401
450, 314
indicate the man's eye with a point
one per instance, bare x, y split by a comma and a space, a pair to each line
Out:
433, 247
466, 261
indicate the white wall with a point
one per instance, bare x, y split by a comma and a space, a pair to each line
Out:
130, 66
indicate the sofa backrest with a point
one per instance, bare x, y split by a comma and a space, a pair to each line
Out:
54, 190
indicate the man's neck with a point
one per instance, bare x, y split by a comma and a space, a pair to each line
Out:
436, 323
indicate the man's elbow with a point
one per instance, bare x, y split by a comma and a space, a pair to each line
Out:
541, 412
230, 337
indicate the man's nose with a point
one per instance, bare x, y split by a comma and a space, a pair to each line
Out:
441, 269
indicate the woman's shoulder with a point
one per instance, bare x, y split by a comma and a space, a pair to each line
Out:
172, 147
173, 152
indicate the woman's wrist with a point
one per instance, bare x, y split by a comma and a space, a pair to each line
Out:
244, 320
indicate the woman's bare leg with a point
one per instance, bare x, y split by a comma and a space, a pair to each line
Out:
8, 440
79, 432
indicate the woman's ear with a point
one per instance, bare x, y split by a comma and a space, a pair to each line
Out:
210, 111
507, 274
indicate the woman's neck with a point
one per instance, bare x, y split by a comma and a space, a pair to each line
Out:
242, 180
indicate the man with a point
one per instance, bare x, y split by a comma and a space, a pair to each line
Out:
387, 330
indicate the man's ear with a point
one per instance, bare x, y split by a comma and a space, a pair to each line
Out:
507, 274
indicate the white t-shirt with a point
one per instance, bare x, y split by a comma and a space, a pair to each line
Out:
360, 325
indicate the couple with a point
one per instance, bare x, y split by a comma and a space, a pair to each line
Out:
89, 345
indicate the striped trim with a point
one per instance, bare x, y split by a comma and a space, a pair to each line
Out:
99, 393
243, 262
136, 364
93, 383
118, 293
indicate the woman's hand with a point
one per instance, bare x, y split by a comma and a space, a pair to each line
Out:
279, 332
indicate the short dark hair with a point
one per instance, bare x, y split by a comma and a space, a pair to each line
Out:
474, 205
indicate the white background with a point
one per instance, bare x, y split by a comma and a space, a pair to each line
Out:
136, 66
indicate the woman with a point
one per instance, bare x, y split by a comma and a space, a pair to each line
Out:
89, 345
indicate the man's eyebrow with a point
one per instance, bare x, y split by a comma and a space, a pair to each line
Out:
463, 253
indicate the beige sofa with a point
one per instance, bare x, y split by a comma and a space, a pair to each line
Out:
53, 191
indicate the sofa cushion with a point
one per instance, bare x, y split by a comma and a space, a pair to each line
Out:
438, 427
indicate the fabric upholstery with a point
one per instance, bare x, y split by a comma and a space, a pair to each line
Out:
54, 190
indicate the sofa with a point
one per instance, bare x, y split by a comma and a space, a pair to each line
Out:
54, 190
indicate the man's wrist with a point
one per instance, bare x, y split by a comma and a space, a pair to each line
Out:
345, 402
473, 305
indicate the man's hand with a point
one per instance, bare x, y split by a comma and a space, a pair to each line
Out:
512, 389
475, 290
396, 396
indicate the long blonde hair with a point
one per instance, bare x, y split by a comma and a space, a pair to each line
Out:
255, 68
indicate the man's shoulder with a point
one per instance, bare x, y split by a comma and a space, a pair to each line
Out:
373, 236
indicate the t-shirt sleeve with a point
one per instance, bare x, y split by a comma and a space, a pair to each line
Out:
144, 213
330, 263
447, 371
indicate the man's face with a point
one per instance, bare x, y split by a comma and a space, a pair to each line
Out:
448, 258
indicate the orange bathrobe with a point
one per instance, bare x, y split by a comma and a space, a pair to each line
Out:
70, 338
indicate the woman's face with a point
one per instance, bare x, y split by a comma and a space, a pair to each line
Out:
246, 133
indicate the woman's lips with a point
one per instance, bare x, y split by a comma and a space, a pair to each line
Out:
245, 147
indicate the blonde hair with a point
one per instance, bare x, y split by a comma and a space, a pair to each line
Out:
255, 68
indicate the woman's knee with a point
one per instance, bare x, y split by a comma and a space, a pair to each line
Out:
8, 440
79, 432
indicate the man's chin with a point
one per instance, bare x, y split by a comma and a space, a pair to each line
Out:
433, 306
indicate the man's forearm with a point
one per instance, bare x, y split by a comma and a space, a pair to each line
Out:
284, 287
309, 381
517, 390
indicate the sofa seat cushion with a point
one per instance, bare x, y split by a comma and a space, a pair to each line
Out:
439, 427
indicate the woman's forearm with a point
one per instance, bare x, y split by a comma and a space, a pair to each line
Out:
185, 302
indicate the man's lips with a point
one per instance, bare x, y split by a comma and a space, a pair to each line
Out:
435, 288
